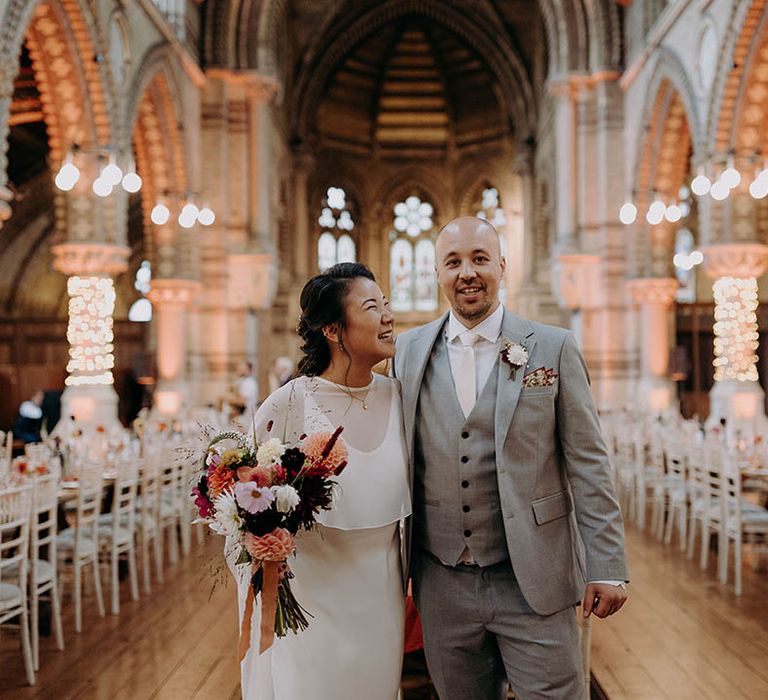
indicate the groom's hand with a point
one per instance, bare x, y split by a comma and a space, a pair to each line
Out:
603, 599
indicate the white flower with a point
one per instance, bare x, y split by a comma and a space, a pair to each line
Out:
226, 520
270, 452
517, 355
287, 498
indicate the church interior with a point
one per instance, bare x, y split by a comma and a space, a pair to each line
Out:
173, 171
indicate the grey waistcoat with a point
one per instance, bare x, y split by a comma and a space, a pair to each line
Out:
456, 494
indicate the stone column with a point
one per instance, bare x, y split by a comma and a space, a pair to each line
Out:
654, 296
736, 395
578, 290
171, 298
89, 395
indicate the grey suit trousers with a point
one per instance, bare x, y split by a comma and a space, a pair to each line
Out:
479, 634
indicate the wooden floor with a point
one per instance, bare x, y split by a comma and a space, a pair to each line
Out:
178, 643
682, 635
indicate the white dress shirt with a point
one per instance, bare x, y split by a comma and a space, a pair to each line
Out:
487, 348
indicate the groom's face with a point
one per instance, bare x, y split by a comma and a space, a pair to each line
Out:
470, 268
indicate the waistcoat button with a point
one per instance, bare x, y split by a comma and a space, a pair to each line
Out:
465, 509
464, 484
467, 533
465, 435
464, 459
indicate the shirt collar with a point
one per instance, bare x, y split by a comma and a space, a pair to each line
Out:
488, 329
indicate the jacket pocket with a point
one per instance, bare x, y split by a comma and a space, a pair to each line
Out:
552, 507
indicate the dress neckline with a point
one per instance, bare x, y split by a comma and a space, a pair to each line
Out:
344, 388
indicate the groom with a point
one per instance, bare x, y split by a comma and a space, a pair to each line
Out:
515, 518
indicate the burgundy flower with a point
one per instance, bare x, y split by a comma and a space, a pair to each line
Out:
204, 506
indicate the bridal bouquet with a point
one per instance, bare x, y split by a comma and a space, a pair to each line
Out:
261, 496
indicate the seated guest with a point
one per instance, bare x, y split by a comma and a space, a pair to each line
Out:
30, 419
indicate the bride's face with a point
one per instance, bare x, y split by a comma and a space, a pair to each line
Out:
368, 336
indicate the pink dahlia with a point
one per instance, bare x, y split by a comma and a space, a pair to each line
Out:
252, 497
326, 452
276, 546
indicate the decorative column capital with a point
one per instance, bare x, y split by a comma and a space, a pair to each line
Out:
90, 259
735, 260
260, 87
653, 291
173, 292
576, 280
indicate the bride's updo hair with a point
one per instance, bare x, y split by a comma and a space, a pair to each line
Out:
322, 303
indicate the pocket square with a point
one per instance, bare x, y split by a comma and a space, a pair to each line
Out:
543, 376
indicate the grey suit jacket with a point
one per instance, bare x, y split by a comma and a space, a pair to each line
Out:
562, 521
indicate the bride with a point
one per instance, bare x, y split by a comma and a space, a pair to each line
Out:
348, 570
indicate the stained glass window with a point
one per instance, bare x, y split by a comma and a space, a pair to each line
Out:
491, 211
412, 282
335, 244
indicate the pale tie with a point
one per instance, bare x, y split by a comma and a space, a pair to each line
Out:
464, 376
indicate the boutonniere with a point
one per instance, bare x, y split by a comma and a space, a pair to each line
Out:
515, 355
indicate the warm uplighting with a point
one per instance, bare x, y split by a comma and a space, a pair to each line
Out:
736, 336
89, 331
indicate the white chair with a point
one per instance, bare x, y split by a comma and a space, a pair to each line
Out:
148, 513
710, 507
117, 529
742, 519
171, 503
43, 564
15, 514
625, 475
676, 491
80, 542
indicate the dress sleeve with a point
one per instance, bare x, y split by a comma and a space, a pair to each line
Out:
281, 415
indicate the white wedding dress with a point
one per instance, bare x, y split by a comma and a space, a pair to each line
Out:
348, 571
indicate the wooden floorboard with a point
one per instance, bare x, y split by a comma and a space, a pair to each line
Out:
178, 642
682, 634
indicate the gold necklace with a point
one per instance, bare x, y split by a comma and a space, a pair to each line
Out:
352, 395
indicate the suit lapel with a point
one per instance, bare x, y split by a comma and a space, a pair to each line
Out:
516, 330
416, 361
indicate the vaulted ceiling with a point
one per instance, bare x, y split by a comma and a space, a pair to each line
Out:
411, 89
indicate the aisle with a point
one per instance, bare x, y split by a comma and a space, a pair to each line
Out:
681, 635
176, 643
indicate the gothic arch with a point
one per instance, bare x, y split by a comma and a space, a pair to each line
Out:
77, 91
583, 35
361, 19
740, 53
156, 81
407, 182
663, 157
